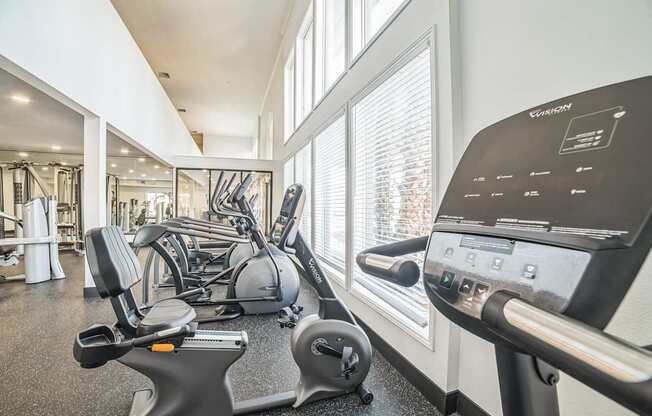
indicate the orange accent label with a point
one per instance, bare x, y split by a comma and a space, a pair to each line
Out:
162, 347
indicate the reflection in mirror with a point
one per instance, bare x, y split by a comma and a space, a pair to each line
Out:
195, 187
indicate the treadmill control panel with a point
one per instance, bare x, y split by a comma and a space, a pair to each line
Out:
465, 269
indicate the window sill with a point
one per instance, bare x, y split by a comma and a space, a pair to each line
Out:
333, 275
422, 335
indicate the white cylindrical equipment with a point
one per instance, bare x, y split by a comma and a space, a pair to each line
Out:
37, 256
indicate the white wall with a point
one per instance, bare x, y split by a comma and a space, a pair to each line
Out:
515, 55
493, 59
80, 52
230, 147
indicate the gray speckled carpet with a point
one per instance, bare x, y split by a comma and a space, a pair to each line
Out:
38, 375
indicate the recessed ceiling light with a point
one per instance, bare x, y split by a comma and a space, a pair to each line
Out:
143, 175
156, 166
181, 110
113, 165
204, 170
44, 168
64, 163
164, 75
21, 99
141, 159
56, 147
131, 171
23, 154
124, 151
167, 172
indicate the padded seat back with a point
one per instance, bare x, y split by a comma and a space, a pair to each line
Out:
113, 264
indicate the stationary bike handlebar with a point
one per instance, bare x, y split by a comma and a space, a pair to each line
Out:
384, 262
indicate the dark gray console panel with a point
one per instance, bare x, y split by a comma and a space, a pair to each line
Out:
465, 269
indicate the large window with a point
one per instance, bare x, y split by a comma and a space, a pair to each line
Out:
392, 138
288, 173
368, 17
302, 175
329, 210
288, 97
303, 99
330, 41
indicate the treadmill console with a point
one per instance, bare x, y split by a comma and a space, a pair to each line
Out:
551, 205
466, 269
290, 215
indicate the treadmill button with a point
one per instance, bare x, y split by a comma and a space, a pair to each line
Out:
530, 271
480, 291
466, 286
447, 279
470, 258
497, 263
449, 252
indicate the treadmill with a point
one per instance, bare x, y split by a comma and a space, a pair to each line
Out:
542, 231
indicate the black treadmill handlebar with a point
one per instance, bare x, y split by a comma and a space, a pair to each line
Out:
384, 262
612, 366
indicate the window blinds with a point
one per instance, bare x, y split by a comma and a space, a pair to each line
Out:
329, 198
302, 174
393, 174
288, 174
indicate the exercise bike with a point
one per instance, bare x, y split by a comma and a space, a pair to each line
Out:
189, 367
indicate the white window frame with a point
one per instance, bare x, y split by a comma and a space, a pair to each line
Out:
311, 168
302, 109
364, 295
321, 63
288, 181
289, 92
341, 278
353, 56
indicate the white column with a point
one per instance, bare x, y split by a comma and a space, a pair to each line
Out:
94, 184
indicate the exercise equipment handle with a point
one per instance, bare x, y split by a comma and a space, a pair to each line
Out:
384, 262
160, 336
610, 365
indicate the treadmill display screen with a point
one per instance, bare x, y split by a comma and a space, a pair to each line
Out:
579, 165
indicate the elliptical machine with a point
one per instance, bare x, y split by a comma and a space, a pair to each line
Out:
189, 367
263, 283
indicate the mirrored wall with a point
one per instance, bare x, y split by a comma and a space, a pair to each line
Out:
196, 186
139, 188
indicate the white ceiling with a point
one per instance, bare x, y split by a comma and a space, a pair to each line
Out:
36, 126
219, 54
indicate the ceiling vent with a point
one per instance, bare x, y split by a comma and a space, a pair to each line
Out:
181, 110
164, 75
